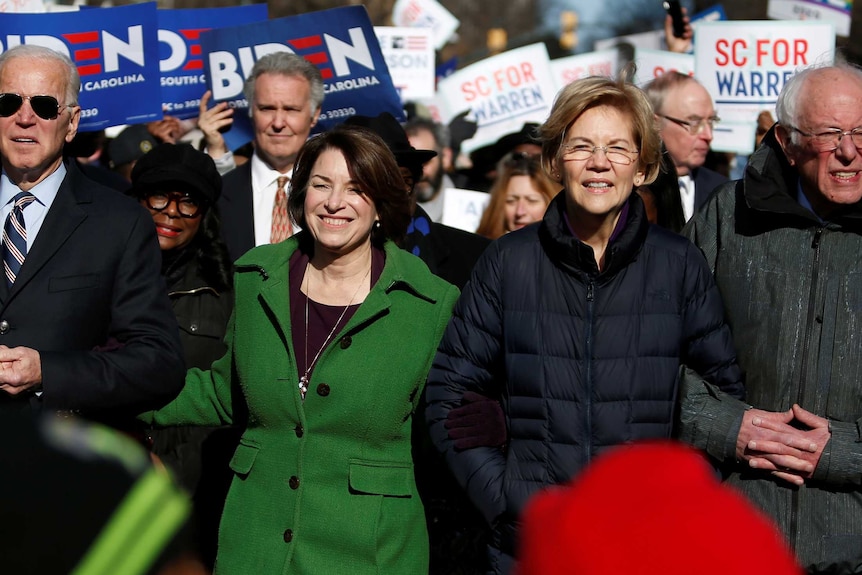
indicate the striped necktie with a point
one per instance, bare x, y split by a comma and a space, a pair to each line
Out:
15, 237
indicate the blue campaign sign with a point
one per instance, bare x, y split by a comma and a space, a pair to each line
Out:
341, 42
180, 55
115, 50
446, 69
712, 14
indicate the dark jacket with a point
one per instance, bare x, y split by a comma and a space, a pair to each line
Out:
582, 360
791, 286
236, 207
92, 276
705, 182
202, 313
448, 252
199, 455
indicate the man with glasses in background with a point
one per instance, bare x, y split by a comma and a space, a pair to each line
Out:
85, 321
686, 119
785, 246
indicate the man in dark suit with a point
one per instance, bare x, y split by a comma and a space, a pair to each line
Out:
284, 93
85, 321
686, 117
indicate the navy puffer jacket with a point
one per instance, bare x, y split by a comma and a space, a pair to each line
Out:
581, 360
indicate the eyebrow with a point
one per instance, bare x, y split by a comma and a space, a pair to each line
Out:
327, 179
615, 140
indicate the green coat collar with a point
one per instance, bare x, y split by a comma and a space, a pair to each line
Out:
270, 263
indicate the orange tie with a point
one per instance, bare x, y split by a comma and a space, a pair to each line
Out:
281, 229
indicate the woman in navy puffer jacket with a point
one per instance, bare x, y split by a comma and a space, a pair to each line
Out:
578, 324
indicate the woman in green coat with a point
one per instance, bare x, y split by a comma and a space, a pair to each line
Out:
332, 336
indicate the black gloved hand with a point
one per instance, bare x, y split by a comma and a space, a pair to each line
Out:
479, 422
460, 129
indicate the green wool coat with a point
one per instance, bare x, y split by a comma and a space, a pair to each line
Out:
324, 486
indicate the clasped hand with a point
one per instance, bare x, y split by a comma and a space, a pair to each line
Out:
20, 369
777, 443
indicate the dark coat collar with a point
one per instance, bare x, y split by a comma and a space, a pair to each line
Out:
576, 256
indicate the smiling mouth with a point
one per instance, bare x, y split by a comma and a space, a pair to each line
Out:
24, 140
166, 231
844, 175
336, 222
598, 186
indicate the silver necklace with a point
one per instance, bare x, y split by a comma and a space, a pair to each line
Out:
303, 381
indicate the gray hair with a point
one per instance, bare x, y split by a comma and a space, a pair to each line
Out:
286, 64
786, 108
658, 88
43, 54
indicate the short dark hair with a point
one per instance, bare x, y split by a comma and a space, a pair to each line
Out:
438, 130
372, 166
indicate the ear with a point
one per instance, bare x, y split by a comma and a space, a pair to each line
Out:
314, 117
446, 158
639, 178
783, 136
74, 118
554, 172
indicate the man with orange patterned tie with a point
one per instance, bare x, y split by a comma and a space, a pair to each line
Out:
285, 93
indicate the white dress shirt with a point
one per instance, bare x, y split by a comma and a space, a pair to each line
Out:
686, 194
264, 183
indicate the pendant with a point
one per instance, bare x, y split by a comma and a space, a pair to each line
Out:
303, 386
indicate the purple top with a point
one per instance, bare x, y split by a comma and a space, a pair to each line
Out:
321, 318
618, 229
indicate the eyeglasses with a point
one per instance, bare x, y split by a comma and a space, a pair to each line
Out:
46, 107
614, 154
831, 139
696, 125
187, 206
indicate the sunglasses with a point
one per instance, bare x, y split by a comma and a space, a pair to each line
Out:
46, 107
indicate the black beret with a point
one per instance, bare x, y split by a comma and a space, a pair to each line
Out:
177, 167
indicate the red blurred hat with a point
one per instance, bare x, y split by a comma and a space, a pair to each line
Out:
649, 509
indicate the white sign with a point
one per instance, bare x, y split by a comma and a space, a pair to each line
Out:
502, 93
835, 11
653, 63
23, 6
409, 55
744, 65
426, 14
735, 137
463, 208
567, 70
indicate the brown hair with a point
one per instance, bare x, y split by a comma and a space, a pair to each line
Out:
584, 94
492, 224
372, 166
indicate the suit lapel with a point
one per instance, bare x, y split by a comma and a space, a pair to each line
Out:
63, 217
700, 191
237, 210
